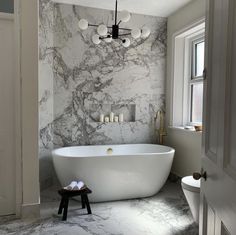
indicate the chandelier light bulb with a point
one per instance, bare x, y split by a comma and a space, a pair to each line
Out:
108, 39
102, 30
83, 24
145, 32
126, 42
125, 16
136, 33
96, 40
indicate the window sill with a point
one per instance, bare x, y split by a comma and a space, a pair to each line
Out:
182, 129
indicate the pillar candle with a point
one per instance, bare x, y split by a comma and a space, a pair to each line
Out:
116, 119
107, 119
111, 117
121, 117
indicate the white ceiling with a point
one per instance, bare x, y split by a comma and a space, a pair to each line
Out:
162, 8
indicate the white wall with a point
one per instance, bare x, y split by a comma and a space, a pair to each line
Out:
187, 144
29, 107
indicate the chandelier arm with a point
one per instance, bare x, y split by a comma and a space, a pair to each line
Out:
116, 14
125, 29
93, 25
104, 37
125, 34
120, 39
96, 25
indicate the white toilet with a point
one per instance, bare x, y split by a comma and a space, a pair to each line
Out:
191, 189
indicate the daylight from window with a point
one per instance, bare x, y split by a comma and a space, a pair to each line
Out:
196, 82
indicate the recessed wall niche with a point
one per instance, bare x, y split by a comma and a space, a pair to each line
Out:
128, 110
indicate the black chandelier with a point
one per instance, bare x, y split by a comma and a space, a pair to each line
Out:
108, 33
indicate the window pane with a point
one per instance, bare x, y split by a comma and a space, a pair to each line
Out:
199, 59
196, 102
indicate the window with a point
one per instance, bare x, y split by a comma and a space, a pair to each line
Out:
187, 76
196, 81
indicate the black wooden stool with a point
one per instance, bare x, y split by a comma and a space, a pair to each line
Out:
67, 194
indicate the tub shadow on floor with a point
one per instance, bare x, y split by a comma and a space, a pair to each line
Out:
191, 229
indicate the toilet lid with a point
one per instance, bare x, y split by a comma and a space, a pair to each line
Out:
191, 184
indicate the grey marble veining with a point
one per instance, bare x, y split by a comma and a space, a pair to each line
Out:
76, 75
167, 213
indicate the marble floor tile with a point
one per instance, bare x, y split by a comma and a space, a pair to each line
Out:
166, 213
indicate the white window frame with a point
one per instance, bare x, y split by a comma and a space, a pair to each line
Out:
192, 78
195, 41
182, 72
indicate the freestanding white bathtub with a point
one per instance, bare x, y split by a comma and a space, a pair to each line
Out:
130, 171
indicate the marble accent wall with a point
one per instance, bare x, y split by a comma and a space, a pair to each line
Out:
77, 78
46, 96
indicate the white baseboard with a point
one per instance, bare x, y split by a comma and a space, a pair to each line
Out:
30, 211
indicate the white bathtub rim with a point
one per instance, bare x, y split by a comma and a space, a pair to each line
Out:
56, 152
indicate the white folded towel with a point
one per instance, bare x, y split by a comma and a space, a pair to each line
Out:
74, 185
79, 185
71, 185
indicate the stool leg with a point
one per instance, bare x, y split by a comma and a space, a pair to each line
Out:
87, 204
64, 217
61, 205
82, 201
